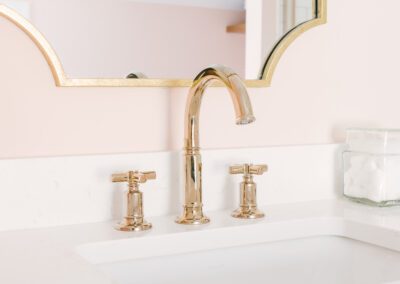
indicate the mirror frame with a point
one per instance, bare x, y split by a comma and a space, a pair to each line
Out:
61, 79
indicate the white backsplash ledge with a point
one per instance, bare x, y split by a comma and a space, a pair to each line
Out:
43, 192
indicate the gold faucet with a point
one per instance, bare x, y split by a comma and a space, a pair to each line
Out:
193, 205
134, 219
248, 190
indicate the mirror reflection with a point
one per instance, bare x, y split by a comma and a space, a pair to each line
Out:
168, 39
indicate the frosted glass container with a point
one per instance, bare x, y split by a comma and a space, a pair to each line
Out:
371, 164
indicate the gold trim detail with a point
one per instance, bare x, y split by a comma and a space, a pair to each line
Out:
38, 38
61, 79
273, 58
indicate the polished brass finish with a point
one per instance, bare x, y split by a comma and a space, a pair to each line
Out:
61, 80
134, 220
193, 205
248, 191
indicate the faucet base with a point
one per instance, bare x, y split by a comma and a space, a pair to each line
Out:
192, 216
247, 213
129, 226
183, 220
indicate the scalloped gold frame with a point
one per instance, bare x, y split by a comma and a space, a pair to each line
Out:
61, 80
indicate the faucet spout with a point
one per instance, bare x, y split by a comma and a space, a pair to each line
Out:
193, 206
237, 90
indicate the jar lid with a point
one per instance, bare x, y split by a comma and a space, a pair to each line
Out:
376, 141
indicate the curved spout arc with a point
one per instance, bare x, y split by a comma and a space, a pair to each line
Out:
237, 90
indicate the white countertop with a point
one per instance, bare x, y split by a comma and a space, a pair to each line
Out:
50, 255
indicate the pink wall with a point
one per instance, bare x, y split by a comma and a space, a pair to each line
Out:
339, 75
111, 38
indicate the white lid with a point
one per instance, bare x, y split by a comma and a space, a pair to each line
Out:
377, 141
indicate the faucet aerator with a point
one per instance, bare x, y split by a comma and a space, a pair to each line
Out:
245, 120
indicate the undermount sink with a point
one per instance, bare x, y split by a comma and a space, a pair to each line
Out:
311, 250
326, 259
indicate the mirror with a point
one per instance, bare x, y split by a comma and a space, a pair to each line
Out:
163, 39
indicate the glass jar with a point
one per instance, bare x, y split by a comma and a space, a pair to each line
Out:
371, 164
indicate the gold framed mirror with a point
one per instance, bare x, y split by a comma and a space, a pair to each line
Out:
292, 19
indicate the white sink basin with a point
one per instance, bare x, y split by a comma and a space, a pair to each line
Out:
325, 259
331, 242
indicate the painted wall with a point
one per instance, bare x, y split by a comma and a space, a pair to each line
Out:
339, 75
111, 38
215, 4
262, 33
